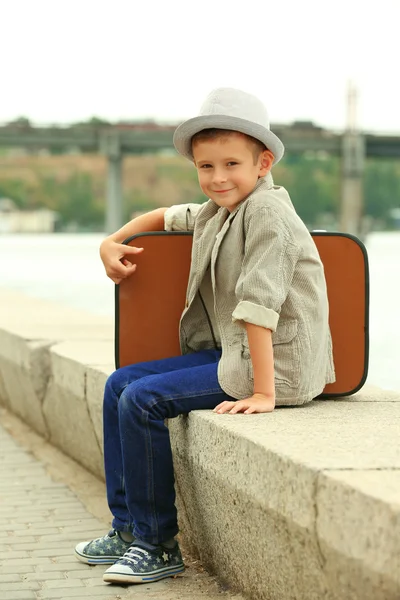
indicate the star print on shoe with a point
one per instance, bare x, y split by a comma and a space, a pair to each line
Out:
144, 563
102, 551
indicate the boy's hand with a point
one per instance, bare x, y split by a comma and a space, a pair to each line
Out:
257, 403
113, 255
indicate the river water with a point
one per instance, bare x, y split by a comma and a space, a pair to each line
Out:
66, 268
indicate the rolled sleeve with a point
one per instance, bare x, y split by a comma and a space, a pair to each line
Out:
268, 268
181, 217
248, 312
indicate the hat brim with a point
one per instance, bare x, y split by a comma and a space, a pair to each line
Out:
183, 134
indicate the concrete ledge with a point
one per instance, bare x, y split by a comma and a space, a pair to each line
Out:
301, 504
50, 357
298, 504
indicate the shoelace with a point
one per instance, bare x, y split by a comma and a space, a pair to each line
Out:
133, 553
108, 535
112, 533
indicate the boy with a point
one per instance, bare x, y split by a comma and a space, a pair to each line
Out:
254, 332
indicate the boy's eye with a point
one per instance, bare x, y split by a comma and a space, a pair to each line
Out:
232, 163
205, 166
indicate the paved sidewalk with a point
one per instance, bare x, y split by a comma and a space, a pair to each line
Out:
42, 519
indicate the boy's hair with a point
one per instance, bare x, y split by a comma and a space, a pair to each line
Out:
212, 134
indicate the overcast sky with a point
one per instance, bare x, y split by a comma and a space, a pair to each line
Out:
126, 59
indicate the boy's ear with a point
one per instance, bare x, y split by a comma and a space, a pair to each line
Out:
267, 158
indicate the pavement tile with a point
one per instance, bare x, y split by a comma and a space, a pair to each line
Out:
17, 587
81, 592
10, 578
43, 578
40, 523
21, 595
52, 584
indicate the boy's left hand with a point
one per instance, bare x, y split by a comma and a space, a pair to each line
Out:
257, 403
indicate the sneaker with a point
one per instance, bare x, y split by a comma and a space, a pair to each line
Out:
144, 563
104, 550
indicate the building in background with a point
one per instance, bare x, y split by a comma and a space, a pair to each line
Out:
14, 220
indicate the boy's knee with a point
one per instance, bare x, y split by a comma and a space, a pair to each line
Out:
116, 383
111, 387
138, 397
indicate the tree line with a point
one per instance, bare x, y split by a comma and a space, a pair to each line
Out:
313, 181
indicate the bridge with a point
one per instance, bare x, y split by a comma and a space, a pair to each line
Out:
114, 141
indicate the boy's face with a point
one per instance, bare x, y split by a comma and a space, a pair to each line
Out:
226, 169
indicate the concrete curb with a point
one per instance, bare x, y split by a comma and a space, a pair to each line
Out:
303, 503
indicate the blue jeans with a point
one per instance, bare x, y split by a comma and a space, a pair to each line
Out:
137, 450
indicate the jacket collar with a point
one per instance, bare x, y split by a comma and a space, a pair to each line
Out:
266, 182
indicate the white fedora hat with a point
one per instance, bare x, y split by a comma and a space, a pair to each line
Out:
227, 108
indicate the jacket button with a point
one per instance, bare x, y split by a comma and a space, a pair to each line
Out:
187, 303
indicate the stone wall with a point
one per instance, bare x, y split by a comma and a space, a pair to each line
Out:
301, 504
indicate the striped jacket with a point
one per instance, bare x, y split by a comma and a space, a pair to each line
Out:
265, 269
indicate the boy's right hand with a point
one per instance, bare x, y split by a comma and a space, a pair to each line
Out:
113, 255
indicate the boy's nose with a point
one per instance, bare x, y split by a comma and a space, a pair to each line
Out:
219, 176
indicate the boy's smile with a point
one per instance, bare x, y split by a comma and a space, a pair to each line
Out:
227, 169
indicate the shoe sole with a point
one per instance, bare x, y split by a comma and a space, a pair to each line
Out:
96, 560
125, 578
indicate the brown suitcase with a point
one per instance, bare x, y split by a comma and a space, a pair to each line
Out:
148, 304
